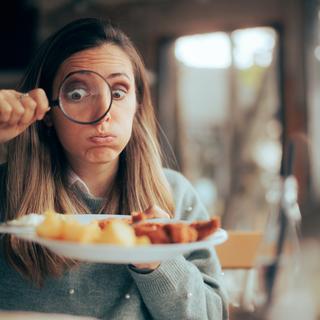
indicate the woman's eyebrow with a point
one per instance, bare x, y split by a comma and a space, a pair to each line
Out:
118, 74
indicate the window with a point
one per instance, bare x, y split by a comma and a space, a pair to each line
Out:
226, 118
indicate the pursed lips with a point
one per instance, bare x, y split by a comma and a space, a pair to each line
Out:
102, 139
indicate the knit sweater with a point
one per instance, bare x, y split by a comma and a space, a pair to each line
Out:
185, 287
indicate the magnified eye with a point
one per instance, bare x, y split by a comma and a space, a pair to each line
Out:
118, 94
76, 95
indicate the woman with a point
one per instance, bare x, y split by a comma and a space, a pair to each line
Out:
110, 164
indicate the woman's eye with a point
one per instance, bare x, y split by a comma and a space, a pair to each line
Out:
76, 94
118, 94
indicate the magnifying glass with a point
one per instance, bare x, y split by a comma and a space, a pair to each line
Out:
85, 97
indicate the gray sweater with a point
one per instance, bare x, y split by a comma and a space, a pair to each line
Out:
186, 287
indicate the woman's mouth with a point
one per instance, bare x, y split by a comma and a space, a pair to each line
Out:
102, 139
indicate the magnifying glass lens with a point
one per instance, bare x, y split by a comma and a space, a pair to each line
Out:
85, 97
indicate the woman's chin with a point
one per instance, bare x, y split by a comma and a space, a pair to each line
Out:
100, 157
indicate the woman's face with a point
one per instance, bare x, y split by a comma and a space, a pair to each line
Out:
99, 143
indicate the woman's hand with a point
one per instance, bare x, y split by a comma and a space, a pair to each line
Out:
152, 212
19, 110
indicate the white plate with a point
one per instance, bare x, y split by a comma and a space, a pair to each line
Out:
120, 254
28, 223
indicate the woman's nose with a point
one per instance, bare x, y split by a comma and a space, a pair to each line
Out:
104, 104
106, 118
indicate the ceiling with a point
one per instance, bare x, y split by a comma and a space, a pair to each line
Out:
49, 6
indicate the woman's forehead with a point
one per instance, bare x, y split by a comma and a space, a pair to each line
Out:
106, 59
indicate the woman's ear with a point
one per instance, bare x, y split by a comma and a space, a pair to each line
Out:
48, 120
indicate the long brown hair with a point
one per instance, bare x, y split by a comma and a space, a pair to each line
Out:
36, 176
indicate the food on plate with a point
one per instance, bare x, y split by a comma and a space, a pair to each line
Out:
119, 232
153, 231
173, 232
124, 231
103, 223
180, 232
72, 230
205, 228
139, 216
30, 220
66, 227
51, 227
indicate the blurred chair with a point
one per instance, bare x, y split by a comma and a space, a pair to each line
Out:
239, 251
238, 258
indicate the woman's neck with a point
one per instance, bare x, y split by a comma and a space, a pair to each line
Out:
98, 177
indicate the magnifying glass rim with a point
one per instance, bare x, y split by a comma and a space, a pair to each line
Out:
56, 102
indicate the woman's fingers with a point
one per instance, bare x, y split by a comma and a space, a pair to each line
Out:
29, 108
19, 110
5, 110
147, 266
11, 109
16, 107
40, 97
35, 104
152, 212
155, 211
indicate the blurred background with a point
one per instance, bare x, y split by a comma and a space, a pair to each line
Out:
233, 82
235, 85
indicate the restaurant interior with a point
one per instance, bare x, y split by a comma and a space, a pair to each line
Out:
235, 85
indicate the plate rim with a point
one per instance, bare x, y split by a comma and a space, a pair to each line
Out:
104, 253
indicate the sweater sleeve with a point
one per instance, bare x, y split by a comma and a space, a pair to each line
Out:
190, 286
3, 170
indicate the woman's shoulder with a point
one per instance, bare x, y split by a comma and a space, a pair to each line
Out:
179, 184
187, 202
175, 178
3, 170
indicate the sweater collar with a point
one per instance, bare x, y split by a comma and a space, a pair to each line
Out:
75, 181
